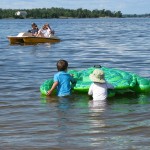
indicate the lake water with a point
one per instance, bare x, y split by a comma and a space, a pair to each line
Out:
29, 121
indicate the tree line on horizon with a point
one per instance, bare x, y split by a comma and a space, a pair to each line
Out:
39, 13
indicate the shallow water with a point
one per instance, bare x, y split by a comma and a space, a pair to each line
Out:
31, 121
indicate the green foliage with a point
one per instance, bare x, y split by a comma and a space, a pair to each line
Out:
59, 13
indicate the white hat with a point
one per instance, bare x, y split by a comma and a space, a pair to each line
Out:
97, 76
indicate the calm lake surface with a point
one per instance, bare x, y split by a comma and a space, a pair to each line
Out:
29, 121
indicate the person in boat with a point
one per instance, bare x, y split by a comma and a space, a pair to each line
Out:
62, 80
34, 29
46, 31
99, 87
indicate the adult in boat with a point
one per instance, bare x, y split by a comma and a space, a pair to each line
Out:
34, 29
46, 31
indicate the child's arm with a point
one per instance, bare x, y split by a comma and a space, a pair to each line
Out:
90, 92
110, 86
52, 88
73, 81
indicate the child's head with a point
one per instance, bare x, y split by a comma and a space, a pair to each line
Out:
62, 65
97, 76
34, 25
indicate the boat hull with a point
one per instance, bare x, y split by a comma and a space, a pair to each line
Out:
32, 40
15, 39
40, 40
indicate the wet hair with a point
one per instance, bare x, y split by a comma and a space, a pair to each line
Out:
62, 65
34, 24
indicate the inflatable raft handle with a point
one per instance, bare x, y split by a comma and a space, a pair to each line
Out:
97, 66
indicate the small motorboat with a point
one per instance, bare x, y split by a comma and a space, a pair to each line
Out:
27, 38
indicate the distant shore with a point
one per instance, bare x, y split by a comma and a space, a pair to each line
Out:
61, 13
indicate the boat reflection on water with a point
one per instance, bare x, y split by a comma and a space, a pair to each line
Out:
32, 44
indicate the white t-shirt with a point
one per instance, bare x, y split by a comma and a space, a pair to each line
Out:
46, 33
99, 90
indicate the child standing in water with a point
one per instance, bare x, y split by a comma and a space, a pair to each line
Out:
62, 80
99, 87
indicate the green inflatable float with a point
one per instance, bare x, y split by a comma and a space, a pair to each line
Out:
121, 80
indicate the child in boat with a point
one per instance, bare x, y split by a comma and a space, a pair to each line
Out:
62, 80
99, 87
34, 29
46, 31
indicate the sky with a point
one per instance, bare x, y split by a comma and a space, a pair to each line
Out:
125, 6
